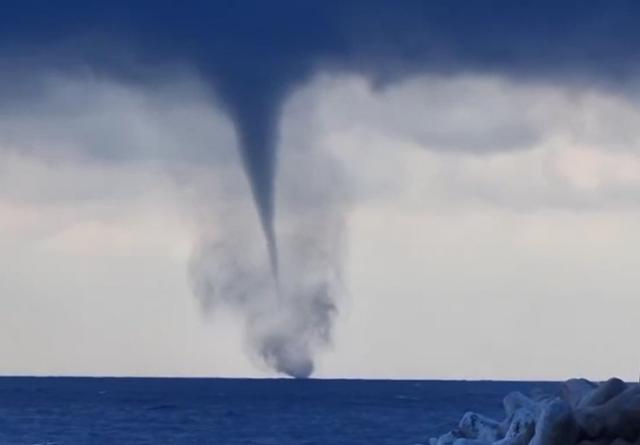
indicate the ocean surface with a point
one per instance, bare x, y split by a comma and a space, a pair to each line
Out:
239, 411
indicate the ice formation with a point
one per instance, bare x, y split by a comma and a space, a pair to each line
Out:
584, 413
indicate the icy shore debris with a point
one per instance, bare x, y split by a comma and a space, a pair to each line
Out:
584, 413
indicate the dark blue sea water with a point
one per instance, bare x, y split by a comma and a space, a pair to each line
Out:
237, 411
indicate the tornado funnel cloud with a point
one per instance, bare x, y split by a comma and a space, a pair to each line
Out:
285, 300
256, 127
285, 296
257, 146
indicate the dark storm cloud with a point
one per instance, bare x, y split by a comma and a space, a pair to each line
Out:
254, 52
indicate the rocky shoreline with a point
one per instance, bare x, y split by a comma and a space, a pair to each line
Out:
582, 413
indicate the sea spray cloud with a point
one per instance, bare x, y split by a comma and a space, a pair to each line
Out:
252, 55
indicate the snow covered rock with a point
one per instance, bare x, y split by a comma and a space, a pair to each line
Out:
476, 426
556, 425
584, 413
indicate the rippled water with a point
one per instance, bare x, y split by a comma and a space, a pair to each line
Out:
238, 411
